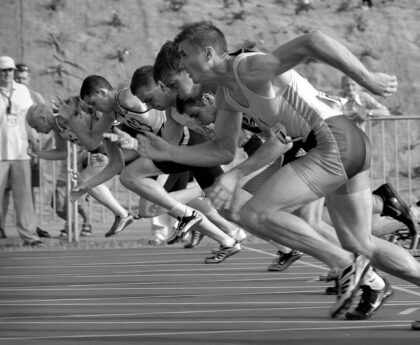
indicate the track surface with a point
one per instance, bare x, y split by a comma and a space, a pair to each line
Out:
166, 295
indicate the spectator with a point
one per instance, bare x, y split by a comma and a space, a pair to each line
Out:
22, 76
15, 170
358, 104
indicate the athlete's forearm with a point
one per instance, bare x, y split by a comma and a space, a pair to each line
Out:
90, 139
207, 154
52, 155
266, 154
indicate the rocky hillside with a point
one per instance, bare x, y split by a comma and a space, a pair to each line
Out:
65, 40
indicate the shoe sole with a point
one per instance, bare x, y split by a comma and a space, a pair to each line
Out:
347, 302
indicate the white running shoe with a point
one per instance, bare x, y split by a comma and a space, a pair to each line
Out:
348, 282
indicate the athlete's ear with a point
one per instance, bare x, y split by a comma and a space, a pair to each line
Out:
161, 86
102, 92
209, 52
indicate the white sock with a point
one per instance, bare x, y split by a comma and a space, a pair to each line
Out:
373, 280
180, 210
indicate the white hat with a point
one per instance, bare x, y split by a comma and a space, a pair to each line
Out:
7, 62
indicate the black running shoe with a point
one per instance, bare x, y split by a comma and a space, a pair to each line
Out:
42, 233
348, 281
415, 326
370, 302
120, 223
395, 207
184, 225
222, 254
284, 260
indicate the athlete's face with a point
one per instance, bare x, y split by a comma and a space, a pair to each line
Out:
99, 101
154, 95
193, 59
205, 114
40, 124
180, 83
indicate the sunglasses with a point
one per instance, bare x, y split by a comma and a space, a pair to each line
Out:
7, 69
22, 68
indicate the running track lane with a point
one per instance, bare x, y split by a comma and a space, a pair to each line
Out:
166, 295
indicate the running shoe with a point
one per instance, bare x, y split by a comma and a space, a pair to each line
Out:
395, 207
120, 223
196, 238
34, 244
222, 255
184, 225
370, 301
284, 260
332, 290
349, 280
415, 326
86, 230
42, 233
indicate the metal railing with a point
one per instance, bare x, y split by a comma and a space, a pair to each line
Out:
395, 142
395, 159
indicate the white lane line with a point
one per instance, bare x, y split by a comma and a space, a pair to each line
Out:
191, 322
193, 311
154, 288
395, 324
165, 312
213, 281
409, 311
83, 302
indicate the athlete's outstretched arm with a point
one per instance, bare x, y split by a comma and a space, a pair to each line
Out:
321, 47
59, 152
219, 151
114, 166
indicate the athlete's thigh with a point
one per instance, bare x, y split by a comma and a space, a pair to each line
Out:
283, 190
142, 167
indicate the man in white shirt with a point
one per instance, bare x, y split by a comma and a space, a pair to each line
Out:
15, 170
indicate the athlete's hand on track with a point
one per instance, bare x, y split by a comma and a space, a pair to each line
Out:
222, 192
152, 146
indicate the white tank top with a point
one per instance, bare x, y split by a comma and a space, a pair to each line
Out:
300, 108
151, 120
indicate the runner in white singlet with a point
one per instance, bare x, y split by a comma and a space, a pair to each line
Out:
337, 166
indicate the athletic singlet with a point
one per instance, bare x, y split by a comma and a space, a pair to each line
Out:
150, 120
193, 124
300, 108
